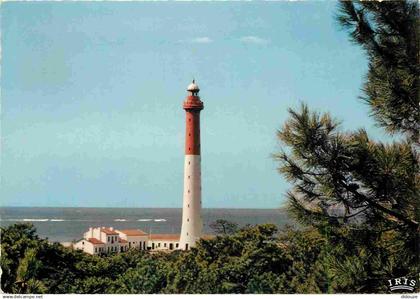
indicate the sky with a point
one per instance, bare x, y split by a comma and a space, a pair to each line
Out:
92, 92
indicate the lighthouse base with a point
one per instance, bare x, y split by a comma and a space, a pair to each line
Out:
191, 211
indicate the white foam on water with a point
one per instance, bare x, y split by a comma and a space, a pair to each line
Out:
34, 220
120, 220
57, 220
160, 220
144, 220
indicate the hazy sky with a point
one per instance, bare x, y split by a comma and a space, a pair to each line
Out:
92, 97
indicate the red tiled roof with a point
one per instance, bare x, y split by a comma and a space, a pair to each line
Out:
133, 232
95, 241
169, 237
122, 240
108, 231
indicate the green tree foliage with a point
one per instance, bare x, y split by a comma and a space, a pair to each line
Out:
360, 194
147, 276
346, 171
26, 273
253, 260
14, 240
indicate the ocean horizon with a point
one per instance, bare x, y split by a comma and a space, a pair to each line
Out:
64, 224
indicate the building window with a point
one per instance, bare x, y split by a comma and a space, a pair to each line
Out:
164, 244
177, 245
188, 191
188, 219
188, 176
188, 205
109, 239
158, 244
189, 162
96, 249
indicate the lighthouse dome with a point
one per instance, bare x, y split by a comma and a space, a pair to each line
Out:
193, 87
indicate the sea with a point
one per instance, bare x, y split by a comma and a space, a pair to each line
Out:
69, 224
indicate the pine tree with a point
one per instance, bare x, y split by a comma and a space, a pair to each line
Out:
357, 191
389, 33
27, 270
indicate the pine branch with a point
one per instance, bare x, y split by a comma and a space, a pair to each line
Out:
411, 223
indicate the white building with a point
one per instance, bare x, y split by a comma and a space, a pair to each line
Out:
101, 240
135, 238
163, 242
109, 240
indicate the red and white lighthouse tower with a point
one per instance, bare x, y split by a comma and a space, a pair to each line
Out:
191, 210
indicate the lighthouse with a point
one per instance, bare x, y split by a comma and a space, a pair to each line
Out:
191, 209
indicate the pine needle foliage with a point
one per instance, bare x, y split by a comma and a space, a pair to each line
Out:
389, 33
359, 193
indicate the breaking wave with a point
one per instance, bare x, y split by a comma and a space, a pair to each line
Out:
33, 220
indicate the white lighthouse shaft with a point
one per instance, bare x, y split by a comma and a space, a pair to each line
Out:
191, 210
